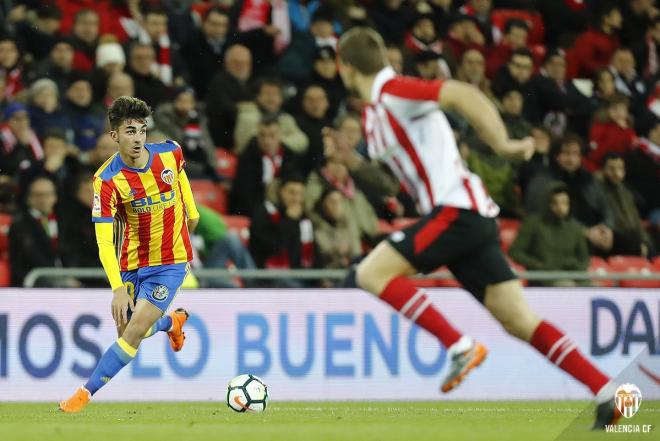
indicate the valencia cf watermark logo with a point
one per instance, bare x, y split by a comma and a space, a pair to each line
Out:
628, 398
167, 176
160, 293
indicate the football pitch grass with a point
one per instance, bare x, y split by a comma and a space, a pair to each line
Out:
381, 421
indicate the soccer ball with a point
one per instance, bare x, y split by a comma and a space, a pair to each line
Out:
247, 393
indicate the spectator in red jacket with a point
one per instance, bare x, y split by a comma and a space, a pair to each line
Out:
515, 37
611, 132
84, 39
593, 48
463, 34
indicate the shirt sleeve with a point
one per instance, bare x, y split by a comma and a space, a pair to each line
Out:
178, 154
411, 97
104, 238
187, 195
104, 205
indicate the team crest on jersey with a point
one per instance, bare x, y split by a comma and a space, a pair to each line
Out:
96, 205
167, 176
160, 293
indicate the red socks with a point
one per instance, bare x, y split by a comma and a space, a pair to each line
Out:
412, 302
561, 351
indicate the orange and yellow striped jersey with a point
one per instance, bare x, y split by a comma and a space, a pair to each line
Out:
148, 205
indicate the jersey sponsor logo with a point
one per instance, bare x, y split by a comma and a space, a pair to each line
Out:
160, 293
152, 203
167, 176
96, 204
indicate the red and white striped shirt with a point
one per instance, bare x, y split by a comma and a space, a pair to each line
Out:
406, 129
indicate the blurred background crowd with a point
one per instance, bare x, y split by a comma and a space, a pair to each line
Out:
246, 87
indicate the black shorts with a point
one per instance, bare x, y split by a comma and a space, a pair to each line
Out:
465, 241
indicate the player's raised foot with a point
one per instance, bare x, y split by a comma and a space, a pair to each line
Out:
466, 354
77, 401
176, 334
606, 414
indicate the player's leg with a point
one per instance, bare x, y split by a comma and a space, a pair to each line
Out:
384, 273
159, 285
507, 304
120, 354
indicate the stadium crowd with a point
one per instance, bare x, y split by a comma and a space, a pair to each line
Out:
247, 86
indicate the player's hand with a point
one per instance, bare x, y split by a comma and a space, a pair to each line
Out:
121, 302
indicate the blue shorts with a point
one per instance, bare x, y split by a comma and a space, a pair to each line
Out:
156, 284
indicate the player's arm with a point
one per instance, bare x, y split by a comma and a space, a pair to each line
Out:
103, 213
482, 114
189, 201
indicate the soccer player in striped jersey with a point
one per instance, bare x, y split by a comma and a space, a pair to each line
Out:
406, 128
143, 189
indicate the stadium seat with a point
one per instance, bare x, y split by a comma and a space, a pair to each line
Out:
508, 232
533, 19
656, 263
633, 264
240, 225
599, 265
226, 163
210, 194
5, 274
5, 222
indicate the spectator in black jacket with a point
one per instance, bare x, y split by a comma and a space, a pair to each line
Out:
205, 51
264, 160
561, 106
148, 86
33, 236
228, 88
78, 236
312, 119
281, 236
58, 66
588, 203
326, 75
516, 74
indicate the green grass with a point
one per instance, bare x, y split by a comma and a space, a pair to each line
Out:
356, 421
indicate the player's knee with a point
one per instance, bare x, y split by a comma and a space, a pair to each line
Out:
135, 331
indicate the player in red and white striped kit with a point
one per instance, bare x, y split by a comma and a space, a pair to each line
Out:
406, 128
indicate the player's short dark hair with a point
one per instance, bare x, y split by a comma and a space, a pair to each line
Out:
515, 23
126, 108
364, 49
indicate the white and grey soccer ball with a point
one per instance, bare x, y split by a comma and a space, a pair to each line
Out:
247, 393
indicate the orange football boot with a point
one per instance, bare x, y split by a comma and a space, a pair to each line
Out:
462, 363
77, 401
176, 334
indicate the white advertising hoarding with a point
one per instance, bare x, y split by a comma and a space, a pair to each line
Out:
318, 345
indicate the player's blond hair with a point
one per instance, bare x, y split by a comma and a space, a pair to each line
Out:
364, 49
